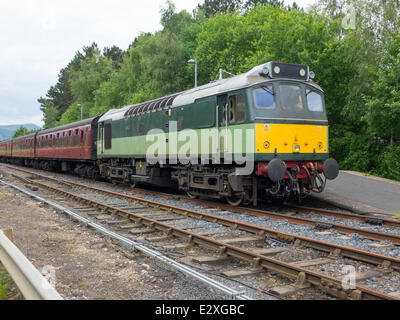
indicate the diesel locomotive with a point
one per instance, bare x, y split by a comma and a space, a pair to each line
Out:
258, 135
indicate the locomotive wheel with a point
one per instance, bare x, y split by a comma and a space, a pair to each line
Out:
235, 201
191, 196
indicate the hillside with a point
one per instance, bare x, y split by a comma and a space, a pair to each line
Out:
6, 132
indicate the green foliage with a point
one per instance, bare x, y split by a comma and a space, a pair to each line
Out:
22, 131
383, 104
175, 22
212, 7
8, 289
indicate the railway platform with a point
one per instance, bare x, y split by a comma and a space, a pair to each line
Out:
363, 194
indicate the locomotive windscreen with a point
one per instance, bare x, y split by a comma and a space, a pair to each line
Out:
290, 71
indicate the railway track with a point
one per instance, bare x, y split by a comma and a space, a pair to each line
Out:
347, 230
162, 221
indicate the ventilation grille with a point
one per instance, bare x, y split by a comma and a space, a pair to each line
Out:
151, 106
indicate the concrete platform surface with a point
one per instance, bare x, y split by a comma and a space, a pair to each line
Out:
368, 194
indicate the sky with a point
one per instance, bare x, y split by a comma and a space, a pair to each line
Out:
39, 37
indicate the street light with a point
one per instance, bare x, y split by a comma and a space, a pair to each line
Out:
195, 76
79, 105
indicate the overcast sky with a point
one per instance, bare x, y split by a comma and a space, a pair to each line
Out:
39, 37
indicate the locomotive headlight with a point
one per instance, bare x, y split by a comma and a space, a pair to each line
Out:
277, 70
312, 75
303, 73
265, 71
297, 148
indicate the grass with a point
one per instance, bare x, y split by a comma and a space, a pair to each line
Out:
8, 290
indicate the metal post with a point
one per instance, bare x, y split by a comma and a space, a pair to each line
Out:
195, 76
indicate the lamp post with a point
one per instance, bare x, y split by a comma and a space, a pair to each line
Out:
79, 105
195, 76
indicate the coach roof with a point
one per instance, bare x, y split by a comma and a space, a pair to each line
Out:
68, 126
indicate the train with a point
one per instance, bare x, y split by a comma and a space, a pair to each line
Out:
261, 135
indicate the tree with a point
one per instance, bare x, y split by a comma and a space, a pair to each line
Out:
174, 22
212, 7
22, 131
250, 4
115, 54
93, 71
383, 103
59, 97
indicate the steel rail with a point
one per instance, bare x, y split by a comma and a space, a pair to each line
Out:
329, 284
343, 215
137, 246
331, 248
369, 234
28, 279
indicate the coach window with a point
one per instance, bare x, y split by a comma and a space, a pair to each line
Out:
86, 137
76, 138
51, 141
108, 136
81, 138
69, 138
58, 140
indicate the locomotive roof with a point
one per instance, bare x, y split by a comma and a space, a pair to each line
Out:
250, 78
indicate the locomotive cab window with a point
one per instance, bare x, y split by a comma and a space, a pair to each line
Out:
315, 101
291, 97
264, 98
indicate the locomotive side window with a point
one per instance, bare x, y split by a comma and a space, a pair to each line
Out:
107, 136
265, 98
237, 109
291, 98
315, 101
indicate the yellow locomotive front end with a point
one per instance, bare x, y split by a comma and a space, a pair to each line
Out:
291, 132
